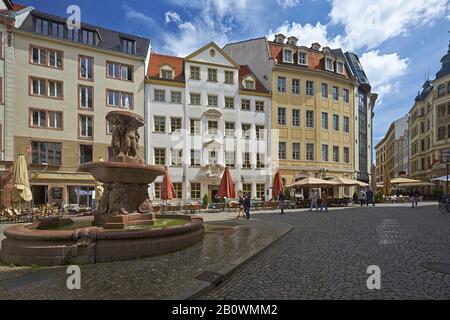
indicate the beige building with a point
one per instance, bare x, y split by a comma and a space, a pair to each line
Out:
69, 80
429, 126
385, 157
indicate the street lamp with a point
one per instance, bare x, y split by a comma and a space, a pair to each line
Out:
445, 158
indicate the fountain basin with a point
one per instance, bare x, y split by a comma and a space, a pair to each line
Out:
27, 245
122, 172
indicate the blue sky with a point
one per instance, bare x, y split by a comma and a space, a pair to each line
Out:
398, 41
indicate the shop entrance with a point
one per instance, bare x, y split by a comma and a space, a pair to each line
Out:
40, 195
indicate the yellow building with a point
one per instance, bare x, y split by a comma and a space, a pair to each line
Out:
66, 81
385, 157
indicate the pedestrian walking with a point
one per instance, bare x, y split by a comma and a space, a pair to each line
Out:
241, 207
281, 198
324, 201
362, 197
370, 197
314, 198
413, 196
355, 198
247, 204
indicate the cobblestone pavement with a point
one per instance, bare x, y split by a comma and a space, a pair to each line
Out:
225, 246
327, 254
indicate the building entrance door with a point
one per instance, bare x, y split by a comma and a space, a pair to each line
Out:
40, 195
213, 190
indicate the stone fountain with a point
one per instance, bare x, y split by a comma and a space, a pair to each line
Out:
124, 226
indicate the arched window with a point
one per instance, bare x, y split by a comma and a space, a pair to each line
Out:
166, 72
249, 83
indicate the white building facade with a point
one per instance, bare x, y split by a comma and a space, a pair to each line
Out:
205, 113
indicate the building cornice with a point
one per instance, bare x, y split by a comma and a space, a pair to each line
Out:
168, 83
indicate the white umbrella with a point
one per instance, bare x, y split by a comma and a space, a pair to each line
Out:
443, 178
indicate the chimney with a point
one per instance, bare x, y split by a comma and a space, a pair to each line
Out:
315, 46
279, 38
292, 40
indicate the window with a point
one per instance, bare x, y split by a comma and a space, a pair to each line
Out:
246, 160
229, 102
47, 57
260, 190
287, 56
86, 68
119, 71
329, 64
195, 73
259, 131
346, 124
245, 104
324, 152
346, 154
249, 84
178, 188
324, 120
247, 188
335, 122
175, 97
260, 161
309, 151
46, 152
296, 117
86, 98
158, 190
128, 46
195, 190
229, 129
160, 95
230, 159
441, 110
86, 124
166, 74
41, 26
324, 90
309, 88
177, 157
309, 119
38, 118
213, 127
296, 151
345, 95
123, 100
212, 100
73, 35
282, 116
281, 84
340, 67
335, 153
195, 99
54, 119
259, 105
160, 156
86, 153
212, 75
335, 93
302, 58
441, 133
295, 86
282, 150
87, 37
195, 126
229, 77
441, 90
195, 157
46, 88
212, 157
109, 127
246, 130
1, 84
160, 124
175, 125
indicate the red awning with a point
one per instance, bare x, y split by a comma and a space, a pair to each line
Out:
277, 186
167, 189
226, 188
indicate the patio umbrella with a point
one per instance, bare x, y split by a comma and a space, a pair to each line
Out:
277, 186
362, 184
345, 181
401, 181
443, 178
21, 189
226, 188
167, 189
311, 182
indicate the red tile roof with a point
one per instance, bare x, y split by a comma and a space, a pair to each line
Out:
245, 71
316, 59
158, 60
18, 7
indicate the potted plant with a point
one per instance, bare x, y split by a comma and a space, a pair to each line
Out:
205, 201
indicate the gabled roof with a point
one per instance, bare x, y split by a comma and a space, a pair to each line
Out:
158, 60
215, 46
245, 71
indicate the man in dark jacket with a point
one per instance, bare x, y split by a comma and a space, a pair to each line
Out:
370, 197
281, 198
247, 204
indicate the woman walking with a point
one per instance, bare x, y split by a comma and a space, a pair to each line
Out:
324, 201
241, 207
281, 198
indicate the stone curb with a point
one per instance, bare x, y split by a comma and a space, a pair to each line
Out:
199, 288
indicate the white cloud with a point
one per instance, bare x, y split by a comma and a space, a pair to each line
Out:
172, 16
288, 3
308, 34
383, 71
370, 23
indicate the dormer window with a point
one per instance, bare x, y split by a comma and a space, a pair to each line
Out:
166, 72
340, 67
249, 83
329, 64
287, 56
302, 58
128, 46
279, 38
88, 37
